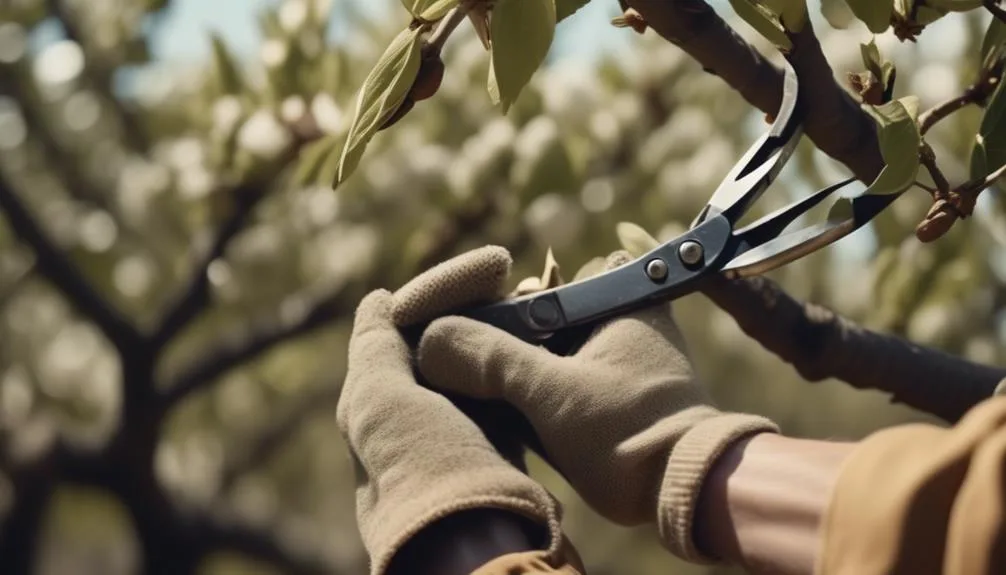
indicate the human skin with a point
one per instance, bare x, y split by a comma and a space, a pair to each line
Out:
760, 507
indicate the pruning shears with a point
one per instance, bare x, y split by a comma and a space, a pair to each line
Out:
712, 245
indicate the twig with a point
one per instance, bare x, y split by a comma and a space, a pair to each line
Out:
993, 7
195, 296
447, 26
973, 94
56, 267
276, 434
246, 196
928, 159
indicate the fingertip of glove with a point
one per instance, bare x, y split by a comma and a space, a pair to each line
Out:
478, 275
376, 305
617, 259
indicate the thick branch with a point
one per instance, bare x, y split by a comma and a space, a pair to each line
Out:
278, 432
21, 529
816, 341
56, 267
835, 122
821, 344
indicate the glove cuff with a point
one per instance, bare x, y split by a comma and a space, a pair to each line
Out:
691, 458
396, 521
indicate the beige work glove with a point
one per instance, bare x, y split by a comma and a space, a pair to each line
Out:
623, 419
417, 458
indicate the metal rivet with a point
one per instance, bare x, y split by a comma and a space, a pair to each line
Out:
543, 312
656, 270
690, 252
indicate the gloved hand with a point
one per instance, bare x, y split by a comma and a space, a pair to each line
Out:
417, 457
623, 419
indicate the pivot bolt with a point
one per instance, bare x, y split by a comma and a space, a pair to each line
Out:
543, 313
656, 270
691, 252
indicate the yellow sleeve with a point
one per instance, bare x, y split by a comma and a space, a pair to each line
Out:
919, 499
535, 563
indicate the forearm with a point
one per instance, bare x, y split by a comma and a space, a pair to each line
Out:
461, 543
763, 502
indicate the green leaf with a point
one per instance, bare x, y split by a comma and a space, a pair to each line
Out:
382, 93
837, 13
635, 239
791, 13
876, 14
989, 150
898, 132
429, 10
764, 21
566, 8
521, 32
229, 77
882, 69
993, 44
312, 160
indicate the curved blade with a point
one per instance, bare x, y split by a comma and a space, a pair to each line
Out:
793, 245
756, 171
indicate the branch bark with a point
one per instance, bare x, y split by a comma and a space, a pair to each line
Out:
821, 344
55, 266
817, 342
835, 122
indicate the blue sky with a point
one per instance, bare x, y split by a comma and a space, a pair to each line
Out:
182, 35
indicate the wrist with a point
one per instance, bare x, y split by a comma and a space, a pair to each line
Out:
763, 501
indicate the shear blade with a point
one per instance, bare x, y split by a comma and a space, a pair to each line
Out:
763, 161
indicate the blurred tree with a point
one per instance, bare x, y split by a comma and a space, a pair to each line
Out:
176, 269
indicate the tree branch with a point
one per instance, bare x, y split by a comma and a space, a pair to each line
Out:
215, 534
245, 344
20, 531
821, 344
277, 433
55, 266
195, 297
974, 94
835, 122
817, 342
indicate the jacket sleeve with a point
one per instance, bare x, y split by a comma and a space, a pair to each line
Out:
536, 563
919, 499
